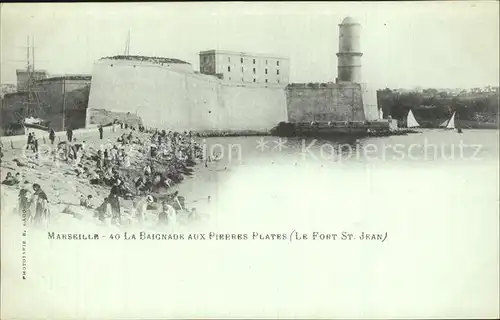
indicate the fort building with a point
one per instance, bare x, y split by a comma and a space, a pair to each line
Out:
168, 93
232, 91
242, 67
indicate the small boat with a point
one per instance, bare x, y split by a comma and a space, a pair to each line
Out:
449, 124
411, 122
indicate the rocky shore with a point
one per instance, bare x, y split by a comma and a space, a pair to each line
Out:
67, 179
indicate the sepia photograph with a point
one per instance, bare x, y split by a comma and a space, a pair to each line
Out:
256, 160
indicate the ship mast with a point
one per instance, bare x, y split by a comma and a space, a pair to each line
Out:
32, 105
28, 65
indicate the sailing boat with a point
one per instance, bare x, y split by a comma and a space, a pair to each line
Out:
449, 124
411, 122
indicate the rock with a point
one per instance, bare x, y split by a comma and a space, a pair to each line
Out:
20, 163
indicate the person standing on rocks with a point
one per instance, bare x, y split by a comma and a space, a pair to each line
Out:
30, 139
140, 185
23, 206
35, 145
41, 205
167, 215
141, 207
147, 170
101, 131
69, 134
52, 135
100, 160
115, 206
126, 161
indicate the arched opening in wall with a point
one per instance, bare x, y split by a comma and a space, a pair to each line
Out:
209, 111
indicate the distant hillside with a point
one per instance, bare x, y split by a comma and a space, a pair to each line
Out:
431, 107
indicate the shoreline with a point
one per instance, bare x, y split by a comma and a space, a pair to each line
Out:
82, 132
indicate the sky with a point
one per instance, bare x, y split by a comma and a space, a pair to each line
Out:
405, 44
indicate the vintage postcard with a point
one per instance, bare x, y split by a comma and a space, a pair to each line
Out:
250, 160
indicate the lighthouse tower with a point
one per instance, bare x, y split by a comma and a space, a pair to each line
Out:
349, 55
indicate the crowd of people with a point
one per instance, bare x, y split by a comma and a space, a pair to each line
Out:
142, 165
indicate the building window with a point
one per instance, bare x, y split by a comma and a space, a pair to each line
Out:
266, 71
241, 60
253, 70
266, 80
277, 71
278, 80
229, 59
253, 79
242, 69
229, 78
253, 61
278, 63
266, 61
228, 69
242, 80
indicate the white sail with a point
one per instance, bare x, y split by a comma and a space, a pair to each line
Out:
444, 124
381, 113
451, 123
411, 122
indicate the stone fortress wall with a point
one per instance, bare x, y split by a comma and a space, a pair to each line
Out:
174, 97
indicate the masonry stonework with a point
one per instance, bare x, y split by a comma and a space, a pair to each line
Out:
325, 102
